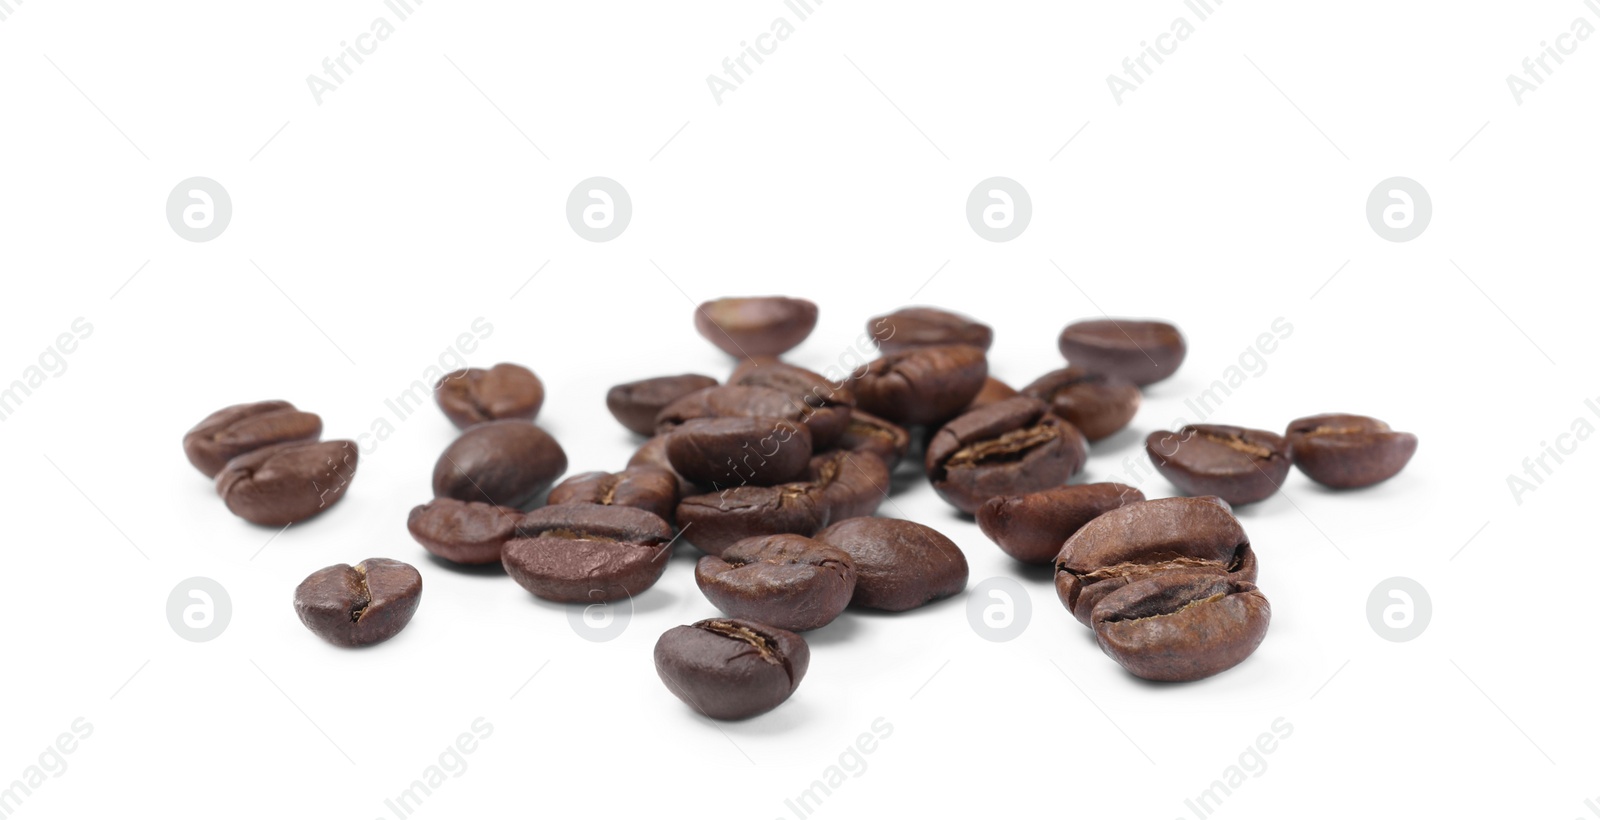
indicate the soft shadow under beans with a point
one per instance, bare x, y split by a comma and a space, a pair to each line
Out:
843, 629
495, 569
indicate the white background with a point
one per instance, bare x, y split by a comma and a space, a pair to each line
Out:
1221, 195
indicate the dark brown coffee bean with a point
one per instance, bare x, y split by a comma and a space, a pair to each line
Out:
851, 484
826, 405
923, 385
1146, 538
466, 532
757, 325
900, 564
588, 553
1141, 351
1009, 448
1342, 451
636, 404
1239, 465
924, 327
474, 395
1031, 528
653, 453
287, 483
734, 452
715, 521
787, 581
233, 431
361, 605
871, 435
1181, 626
651, 489
729, 669
508, 463
740, 401
1095, 404
993, 392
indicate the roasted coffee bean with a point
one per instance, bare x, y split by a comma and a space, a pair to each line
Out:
757, 325
1342, 451
653, 453
588, 553
636, 404
729, 669
651, 489
733, 452
874, 436
851, 484
715, 521
287, 483
1146, 538
923, 385
1181, 626
361, 605
474, 395
1008, 448
1031, 528
740, 401
827, 406
466, 532
233, 431
1095, 404
924, 327
1141, 351
787, 581
1239, 465
900, 564
508, 463
993, 392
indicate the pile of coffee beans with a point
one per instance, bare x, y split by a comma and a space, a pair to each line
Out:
776, 475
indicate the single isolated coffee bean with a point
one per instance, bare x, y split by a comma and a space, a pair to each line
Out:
871, 435
1147, 538
1343, 451
1239, 465
287, 483
1031, 528
361, 605
1097, 405
923, 385
826, 407
733, 452
851, 484
233, 431
1141, 351
507, 462
636, 404
474, 395
757, 325
653, 453
731, 669
651, 489
924, 327
788, 581
1181, 626
1008, 448
900, 564
466, 532
587, 553
715, 521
